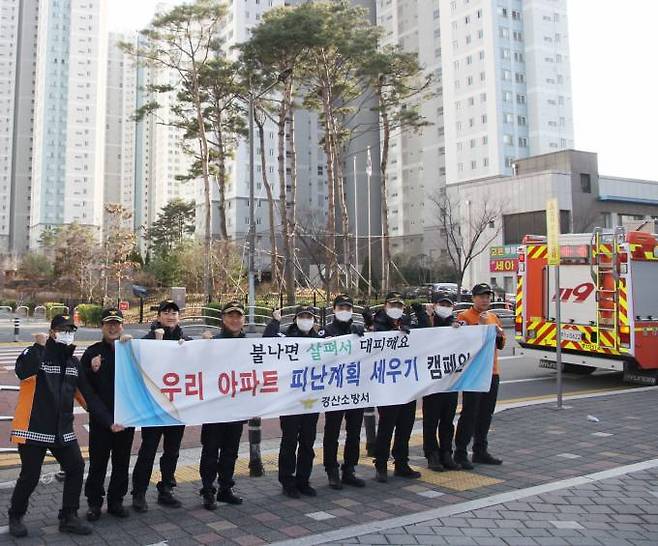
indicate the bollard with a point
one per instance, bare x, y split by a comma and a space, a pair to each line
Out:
255, 462
17, 328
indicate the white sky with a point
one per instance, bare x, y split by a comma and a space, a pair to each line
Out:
615, 100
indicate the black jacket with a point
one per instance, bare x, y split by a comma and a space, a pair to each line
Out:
50, 378
102, 381
273, 329
340, 328
174, 334
223, 334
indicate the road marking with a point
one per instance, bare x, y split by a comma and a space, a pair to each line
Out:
468, 506
528, 380
512, 357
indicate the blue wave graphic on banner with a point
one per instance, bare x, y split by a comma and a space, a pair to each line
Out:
473, 378
138, 403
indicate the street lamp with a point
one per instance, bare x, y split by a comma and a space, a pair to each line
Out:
251, 303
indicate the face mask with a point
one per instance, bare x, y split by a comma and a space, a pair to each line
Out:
305, 325
394, 312
443, 311
65, 338
343, 316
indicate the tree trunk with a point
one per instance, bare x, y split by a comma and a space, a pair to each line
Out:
386, 245
270, 204
292, 197
283, 209
221, 179
331, 264
342, 202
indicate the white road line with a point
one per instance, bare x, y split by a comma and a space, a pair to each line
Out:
510, 357
529, 380
468, 506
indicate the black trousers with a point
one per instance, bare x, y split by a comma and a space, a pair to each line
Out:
104, 443
71, 462
296, 451
220, 444
172, 437
332, 424
399, 419
475, 418
438, 414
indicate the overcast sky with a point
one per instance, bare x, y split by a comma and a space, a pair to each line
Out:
615, 100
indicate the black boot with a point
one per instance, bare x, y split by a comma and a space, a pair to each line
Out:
226, 495
334, 478
486, 458
291, 491
93, 512
434, 462
448, 462
381, 474
307, 490
349, 477
69, 522
117, 509
139, 503
403, 470
17, 528
209, 502
461, 458
166, 498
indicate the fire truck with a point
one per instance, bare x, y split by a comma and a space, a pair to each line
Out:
608, 301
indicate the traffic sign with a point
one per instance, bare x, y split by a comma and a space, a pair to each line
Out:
123, 305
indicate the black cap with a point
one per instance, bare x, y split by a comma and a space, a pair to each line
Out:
62, 321
394, 297
111, 314
482, 288
343, 299
168, 304
305, 309
233, 306
438, 297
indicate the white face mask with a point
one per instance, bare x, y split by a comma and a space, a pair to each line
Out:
343, 316
443, 311
65, 338
394, 312
305, 324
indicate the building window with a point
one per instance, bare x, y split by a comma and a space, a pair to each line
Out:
508, 139
585, 183
523, 142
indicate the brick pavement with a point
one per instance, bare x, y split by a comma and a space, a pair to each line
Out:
540, 445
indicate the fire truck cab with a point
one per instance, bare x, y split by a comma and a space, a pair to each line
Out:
608, 301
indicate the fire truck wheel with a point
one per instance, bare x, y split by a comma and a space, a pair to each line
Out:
578, 369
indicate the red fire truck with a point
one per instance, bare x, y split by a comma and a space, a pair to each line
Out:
608, 297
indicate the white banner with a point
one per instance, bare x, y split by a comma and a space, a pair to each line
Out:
207, 381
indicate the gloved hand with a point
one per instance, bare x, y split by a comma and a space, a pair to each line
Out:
367, 317
276, 315
359, 330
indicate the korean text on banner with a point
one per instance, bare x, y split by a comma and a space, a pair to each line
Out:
206, 381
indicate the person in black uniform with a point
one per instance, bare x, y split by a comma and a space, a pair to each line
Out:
296, 452
167, 326
221, 441
340, 326
398, 418
98, 364
439, 408
50, 377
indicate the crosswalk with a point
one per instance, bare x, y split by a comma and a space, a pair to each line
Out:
9, 354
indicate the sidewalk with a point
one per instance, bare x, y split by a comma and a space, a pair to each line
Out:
491, 505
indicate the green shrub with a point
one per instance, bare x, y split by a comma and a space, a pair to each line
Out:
90, 314
213, 313
54, 308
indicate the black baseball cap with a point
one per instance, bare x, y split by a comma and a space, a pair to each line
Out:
394, 297
111, 314
305, 309
343, 299
438, 297
233, 306
168, 304
482, 288
62, 321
